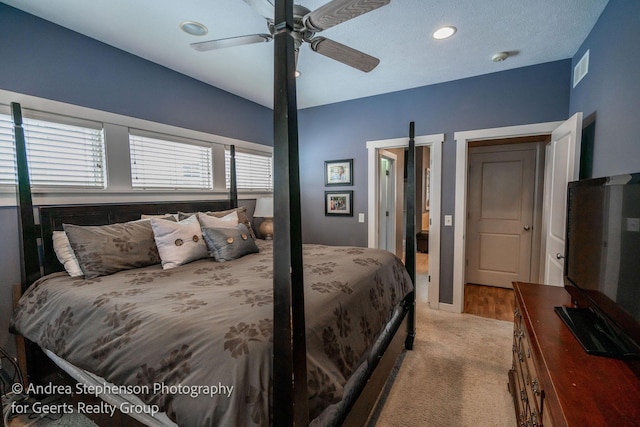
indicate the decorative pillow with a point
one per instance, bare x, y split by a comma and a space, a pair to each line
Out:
242, 217
227, 244
227, 221
168, 217
67, 258
179, 242
106, 249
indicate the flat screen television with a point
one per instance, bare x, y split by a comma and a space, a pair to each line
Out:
602, 265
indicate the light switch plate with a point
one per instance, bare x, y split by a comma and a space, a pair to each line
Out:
448, 220
361, 217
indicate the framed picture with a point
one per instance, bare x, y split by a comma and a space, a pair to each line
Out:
338, 172
339, 203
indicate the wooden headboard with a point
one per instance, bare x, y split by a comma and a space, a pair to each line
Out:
52, 218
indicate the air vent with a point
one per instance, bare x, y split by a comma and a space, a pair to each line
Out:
581, 69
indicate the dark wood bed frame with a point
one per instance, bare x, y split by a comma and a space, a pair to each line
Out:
290, 400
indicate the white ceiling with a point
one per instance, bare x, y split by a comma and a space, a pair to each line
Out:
399, 34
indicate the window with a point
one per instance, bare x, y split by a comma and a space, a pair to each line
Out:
254, 171
59, 154
160, 163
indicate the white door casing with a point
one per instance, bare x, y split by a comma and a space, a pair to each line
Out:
562, 165
462, 141
435, 144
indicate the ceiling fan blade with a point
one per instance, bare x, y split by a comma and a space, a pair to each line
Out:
262, 7
230, 42
338, 11
349, 56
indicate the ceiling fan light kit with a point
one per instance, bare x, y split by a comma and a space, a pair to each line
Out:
306, 24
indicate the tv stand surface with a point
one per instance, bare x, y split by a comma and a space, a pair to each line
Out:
553, 381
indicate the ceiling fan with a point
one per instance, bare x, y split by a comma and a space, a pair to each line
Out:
306, 25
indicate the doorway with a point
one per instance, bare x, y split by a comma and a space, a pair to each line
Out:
428, 284
562, 156
504, 202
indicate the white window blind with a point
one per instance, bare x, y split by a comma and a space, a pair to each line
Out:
254, 171
160, 163
59, 154
8, 174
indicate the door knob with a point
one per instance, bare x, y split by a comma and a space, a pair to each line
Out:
559, 256
527, 228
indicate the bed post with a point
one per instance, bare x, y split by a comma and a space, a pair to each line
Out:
290, 396
410, 249
233, 183
29, 232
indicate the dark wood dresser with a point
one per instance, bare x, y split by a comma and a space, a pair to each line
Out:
553, 381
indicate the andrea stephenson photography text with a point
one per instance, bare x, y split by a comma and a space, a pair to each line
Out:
40, 408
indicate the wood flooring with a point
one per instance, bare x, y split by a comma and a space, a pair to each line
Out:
480, 300
489, 301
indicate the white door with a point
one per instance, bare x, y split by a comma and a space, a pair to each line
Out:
501, 191
562, 165
387, 209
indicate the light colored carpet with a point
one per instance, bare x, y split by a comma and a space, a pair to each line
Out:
455, 376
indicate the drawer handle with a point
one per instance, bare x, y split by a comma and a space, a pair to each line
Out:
535, 387
534, 418
523, 395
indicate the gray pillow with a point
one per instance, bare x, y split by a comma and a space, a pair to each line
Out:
106, 249
226, 244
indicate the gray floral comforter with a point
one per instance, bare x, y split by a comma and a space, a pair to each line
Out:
209, 324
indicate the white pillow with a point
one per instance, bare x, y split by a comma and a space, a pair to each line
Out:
227, 221
178, 242
65, 254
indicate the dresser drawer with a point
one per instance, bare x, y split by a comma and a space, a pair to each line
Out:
525, 386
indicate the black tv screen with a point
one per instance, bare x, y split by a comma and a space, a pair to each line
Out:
602, 256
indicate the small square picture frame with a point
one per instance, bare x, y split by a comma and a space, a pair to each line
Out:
338, 172
338, 203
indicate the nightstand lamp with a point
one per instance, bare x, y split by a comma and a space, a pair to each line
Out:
264, 209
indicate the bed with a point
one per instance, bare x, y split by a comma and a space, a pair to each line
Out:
206, 327
145, 320
315, 358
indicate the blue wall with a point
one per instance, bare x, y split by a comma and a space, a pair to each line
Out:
339, 131
610, 93
46, 60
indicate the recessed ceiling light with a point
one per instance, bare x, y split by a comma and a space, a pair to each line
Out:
193, 28
444, 32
